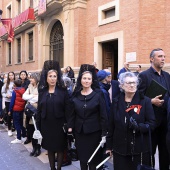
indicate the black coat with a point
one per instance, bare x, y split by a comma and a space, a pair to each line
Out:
61, 103
146, 78
115, 88
168, 134
88, 114
53, 111
120, 135
89, 120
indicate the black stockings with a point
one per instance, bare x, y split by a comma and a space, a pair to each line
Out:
51, 157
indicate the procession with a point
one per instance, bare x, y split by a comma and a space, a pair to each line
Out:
84, 85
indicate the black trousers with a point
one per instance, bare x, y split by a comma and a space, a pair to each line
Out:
31, 131
9, 117
159, 139
29, 128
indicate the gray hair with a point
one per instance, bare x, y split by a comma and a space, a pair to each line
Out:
67, 81
123, 76
36, 77
152, 54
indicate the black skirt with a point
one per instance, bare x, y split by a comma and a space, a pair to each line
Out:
54, 138
122, 162
86, 144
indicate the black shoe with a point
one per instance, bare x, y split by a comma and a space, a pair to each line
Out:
66, 163
37, 152
27, 141
33, 152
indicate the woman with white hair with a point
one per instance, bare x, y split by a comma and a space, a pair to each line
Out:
131, 115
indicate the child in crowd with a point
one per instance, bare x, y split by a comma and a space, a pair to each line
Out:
17, 106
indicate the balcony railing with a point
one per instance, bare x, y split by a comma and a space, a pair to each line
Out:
21, 20
23, 17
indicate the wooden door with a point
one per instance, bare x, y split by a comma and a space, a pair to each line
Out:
110, 58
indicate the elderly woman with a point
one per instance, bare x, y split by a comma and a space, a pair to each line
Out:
131, 115
88, 117
53, 109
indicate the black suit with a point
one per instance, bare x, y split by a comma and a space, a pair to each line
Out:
89, 120
159, 135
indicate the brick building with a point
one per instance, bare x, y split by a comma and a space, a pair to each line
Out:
74, 32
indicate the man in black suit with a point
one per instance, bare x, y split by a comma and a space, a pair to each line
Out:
157, 60
168, 134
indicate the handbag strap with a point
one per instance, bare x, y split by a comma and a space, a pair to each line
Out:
150, 146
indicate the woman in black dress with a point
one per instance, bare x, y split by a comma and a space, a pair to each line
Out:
53, 105
124, 136
88, 117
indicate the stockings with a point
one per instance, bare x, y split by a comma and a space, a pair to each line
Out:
51, 157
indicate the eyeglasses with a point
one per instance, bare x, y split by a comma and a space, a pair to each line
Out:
131, 83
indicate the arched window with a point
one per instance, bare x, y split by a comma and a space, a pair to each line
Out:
57, 43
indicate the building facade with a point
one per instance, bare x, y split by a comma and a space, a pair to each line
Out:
74, 32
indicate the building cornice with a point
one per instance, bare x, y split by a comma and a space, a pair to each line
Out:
72, 4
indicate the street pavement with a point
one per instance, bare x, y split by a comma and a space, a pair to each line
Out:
16, 156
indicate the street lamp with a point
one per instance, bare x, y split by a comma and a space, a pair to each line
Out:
1, 14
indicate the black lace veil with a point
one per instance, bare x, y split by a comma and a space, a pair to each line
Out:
50, 65
86, 68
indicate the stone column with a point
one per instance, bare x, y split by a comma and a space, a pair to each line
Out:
70, 32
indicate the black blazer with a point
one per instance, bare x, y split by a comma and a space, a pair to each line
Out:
88, 114
146, 78
120, 135
60, 105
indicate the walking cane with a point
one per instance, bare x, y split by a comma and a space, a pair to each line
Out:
101, 144
94, 152
105, 160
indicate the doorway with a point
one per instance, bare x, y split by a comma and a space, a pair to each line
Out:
57, 43
110, 57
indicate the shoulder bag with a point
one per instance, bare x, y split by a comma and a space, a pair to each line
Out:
30, 110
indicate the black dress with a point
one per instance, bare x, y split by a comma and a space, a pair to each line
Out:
56, 137
51, 116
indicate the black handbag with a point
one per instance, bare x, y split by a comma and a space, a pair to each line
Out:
141, 166
30, 110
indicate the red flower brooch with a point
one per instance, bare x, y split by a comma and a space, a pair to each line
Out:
135, 107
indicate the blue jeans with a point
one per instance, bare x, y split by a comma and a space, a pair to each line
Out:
18, 123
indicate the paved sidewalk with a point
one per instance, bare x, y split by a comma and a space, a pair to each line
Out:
16, 156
